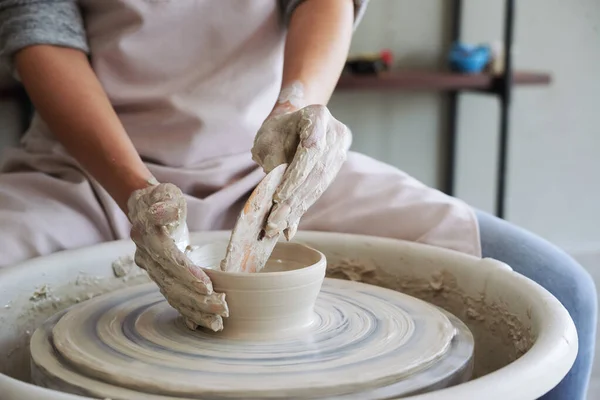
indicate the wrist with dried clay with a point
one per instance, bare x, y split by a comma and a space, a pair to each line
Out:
291, 98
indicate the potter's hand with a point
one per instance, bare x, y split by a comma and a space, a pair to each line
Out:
314, 144
158, 215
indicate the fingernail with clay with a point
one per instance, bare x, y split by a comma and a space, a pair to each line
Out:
277, 220
290, 232
274, 229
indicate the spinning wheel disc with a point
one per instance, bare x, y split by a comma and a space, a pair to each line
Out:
363, 339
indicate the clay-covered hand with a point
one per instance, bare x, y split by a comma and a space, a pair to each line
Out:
314, 144
159, 230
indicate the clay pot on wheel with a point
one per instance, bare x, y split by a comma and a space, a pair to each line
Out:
280, 299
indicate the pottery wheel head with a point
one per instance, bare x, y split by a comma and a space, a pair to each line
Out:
363, 341
249, 249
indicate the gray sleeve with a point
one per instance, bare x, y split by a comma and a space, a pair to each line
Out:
288, 6
29, 22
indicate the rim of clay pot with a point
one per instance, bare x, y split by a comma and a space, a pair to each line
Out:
319, 258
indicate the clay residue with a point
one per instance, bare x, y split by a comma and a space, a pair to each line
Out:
353, 271
500, 337
40, 293
126, 268
46, 300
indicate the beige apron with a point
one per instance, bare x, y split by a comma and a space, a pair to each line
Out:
192, 81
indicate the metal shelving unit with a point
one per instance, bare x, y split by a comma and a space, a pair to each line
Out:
454, 84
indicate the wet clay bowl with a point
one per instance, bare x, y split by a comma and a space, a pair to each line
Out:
277, 301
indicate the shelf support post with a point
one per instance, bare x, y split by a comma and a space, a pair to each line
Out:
505, 92
450, 145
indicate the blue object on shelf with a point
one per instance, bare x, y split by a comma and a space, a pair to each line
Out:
469, 59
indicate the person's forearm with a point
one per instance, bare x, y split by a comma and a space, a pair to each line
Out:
67, 94
316, 49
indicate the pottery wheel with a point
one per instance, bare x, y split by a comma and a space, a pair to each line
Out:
364, 342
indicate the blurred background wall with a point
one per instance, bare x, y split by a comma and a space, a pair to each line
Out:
554, 158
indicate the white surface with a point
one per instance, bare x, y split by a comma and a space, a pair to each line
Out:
536, 372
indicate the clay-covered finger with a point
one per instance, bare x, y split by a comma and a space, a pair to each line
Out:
194, 303
310, 150
177, 265
318, 181
164, 213
212, 322
285, 217
176, 294
165, 205
211, 304
294, 179
277, 221
333, 147
187, 273
177, 269
291, 230
155, 272
299, 169
164, 192
204, 310
196, 318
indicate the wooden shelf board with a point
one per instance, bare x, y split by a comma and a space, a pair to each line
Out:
408, 80
435, 80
